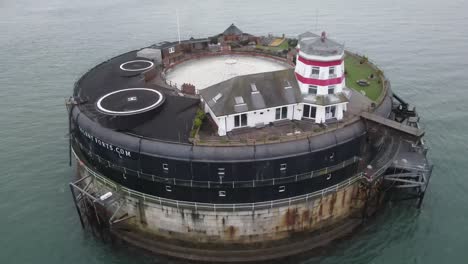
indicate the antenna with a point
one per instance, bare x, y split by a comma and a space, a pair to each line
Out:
178, 26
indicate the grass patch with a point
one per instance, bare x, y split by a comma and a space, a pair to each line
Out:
356, 71
283, 46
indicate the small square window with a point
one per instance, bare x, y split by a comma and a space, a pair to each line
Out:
171, 49
331, 70
221, 171
222, 193
282, 188
165, 167
168, 188
283, 167
315, 70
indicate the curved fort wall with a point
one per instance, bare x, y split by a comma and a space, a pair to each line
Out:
221, 174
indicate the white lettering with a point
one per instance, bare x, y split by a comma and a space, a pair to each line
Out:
121, 152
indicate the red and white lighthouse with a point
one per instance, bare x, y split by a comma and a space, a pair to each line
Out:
320, 75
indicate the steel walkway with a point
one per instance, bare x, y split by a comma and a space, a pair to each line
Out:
417, 132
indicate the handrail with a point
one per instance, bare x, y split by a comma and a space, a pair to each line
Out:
226, 207
224, 184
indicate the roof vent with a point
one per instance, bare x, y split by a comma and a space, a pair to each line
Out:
324, 36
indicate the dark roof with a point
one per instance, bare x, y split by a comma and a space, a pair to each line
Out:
314, 44
232, 30
107, 77
252, 92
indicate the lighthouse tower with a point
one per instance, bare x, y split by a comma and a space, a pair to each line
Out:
320, 75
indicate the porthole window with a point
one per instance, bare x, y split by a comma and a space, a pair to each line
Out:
282, 188
222, 193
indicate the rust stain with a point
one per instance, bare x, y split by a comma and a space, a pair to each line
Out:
332, 203
291, 217
231, 231
305, 218
343, 198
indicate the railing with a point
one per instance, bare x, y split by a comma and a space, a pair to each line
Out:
224, 207
227, 184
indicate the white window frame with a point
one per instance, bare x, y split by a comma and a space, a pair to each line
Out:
331, 87
168, 188
222, 193
332, 70
171, 49
309, 116
240, 120
281, 116
281, 188
313, 87
165, 167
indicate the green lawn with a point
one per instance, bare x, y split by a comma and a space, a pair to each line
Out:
356, 71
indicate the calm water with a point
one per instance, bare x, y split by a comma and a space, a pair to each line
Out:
45, 45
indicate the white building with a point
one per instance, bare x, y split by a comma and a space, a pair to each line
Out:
312, 91
253, 100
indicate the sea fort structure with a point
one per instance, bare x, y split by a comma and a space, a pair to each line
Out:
238, 147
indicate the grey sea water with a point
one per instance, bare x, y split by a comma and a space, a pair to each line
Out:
45, 45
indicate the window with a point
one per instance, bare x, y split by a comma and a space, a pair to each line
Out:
331, 89
282, 188
220, 171
329, 176
309, 111
281, 113
171, 49
330, 111
165, 167
315, 70
283, 167
240, 120
331, 70
312, 89
168, 188
222, 193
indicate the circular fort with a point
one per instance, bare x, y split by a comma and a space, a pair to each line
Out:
237, 147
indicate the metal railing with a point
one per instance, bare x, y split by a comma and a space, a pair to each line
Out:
222, 207
226, 184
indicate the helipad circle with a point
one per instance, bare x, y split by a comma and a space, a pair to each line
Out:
130, 101
136, 65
